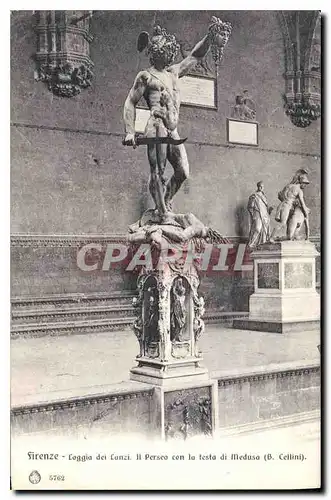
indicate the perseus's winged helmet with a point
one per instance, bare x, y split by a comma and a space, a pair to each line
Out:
160, 46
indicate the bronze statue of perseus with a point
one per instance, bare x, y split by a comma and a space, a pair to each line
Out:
158, 84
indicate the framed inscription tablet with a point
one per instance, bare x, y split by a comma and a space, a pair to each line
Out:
198, 91
242, 132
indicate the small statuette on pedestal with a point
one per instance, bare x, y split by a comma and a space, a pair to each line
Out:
178, 311
151, 321
199, 324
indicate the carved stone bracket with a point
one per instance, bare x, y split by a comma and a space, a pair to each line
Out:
302, 113
63, 48
302, 43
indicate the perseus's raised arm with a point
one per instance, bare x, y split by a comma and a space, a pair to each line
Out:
134, 96
196, 54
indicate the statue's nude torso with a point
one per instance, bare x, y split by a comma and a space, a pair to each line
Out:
290, 193
162, 95
290, 200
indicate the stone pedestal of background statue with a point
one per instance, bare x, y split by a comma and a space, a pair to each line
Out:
285, 297
168, 326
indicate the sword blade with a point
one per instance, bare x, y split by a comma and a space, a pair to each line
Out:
159, 140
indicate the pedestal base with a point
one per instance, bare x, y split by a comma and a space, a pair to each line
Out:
168, 327
185, 410
288, 306
284, 298
165, 374
275, 326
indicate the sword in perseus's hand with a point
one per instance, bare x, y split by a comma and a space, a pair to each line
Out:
157, 140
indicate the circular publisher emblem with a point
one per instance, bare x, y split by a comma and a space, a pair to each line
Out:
34, 477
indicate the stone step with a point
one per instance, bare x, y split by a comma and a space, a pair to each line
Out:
226, 317
101, 312
74, 313
70, 327
94, 324
72, 300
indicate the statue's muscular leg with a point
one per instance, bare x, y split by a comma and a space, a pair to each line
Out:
294, 224
157, 157
156, 187
281, 227
278, 230
178, 159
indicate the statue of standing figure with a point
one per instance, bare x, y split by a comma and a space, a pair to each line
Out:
152, 317
159, 86
178, 311
292, 212
260, 217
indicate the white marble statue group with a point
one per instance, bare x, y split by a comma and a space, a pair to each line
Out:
291, 214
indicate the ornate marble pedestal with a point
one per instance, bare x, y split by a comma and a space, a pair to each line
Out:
284, 298
168, 326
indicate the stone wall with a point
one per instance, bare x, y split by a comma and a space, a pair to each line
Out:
254, 398
115, 411
43, 265
268, 394
71, 175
